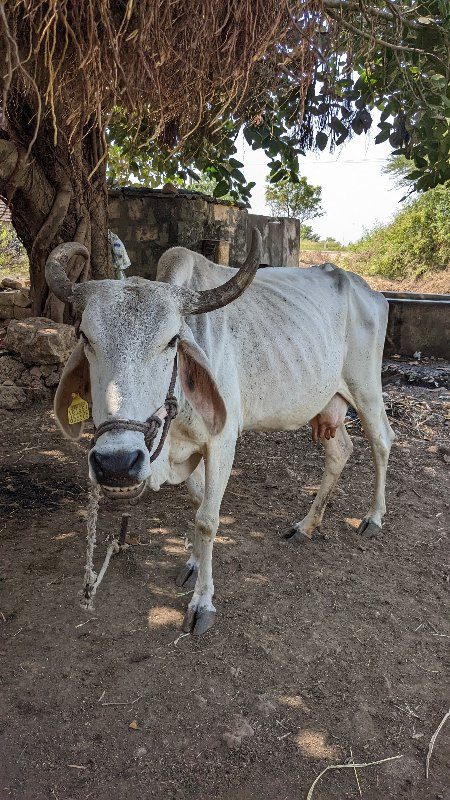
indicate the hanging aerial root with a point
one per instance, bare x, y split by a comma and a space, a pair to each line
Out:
149, 57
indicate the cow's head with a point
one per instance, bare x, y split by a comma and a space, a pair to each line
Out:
130, 332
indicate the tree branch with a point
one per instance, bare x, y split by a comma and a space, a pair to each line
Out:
350, 5
376, 40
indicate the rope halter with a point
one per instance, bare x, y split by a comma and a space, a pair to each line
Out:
152, 424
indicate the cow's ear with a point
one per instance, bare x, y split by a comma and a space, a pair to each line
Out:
199, 385
74, 380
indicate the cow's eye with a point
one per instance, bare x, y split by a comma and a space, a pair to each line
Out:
173, 342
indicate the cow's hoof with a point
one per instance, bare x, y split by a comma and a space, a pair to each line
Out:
368, 529
187, 577
296, 536
198, 621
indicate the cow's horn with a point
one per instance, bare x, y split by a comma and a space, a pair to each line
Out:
56, 265
211, 299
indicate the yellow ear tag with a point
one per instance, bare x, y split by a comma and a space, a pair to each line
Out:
78, 410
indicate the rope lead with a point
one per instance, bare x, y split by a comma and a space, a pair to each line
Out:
92, 580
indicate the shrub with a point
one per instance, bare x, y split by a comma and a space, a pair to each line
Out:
415, 243
13, 257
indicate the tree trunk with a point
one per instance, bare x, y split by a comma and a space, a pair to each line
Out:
56, 196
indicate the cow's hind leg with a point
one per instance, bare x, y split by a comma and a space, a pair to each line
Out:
195, 484
380, 436
337, 452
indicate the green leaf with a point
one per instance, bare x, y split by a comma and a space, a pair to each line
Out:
338, 126
321, 140
342, 138
221, 189
382, 136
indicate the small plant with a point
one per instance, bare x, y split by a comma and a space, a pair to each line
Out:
13, 257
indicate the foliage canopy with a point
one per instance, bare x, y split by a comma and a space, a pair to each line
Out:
299, 199
367, 55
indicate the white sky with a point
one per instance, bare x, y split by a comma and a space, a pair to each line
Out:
355, 193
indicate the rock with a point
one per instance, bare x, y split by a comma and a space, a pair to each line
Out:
10, 369
6, 305
47, 369
12, 397
232, 741
6, 299
22, 298
36, 383
41, 341
169, 188
242, 727
53, 380
22, 313
12, 283
265, 706
26, 379
36, 372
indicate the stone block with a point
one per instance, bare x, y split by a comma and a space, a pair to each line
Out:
12, 397
7, 298
10, 369
40, 341
22, 298
52, 379
12, 283
6, 313
140, 211
35, 372
114, 209
146, 233
22, 313
221, 213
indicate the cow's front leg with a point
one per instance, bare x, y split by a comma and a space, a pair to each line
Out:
195, 484
200, 614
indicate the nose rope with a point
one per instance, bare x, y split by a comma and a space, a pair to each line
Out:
151, 425
149, 428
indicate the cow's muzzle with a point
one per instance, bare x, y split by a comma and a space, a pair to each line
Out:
124, 492
118, 468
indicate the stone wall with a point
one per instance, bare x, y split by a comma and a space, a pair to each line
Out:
15, 300
32, 357
281, 238
149, 221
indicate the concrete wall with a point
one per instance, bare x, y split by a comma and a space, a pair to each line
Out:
281, 239
418, 325
150, 221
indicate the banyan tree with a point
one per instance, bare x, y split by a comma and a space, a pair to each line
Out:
178, 72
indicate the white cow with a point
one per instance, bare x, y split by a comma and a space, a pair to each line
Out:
297, 347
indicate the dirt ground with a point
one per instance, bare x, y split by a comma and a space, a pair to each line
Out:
438, 283
319, 653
